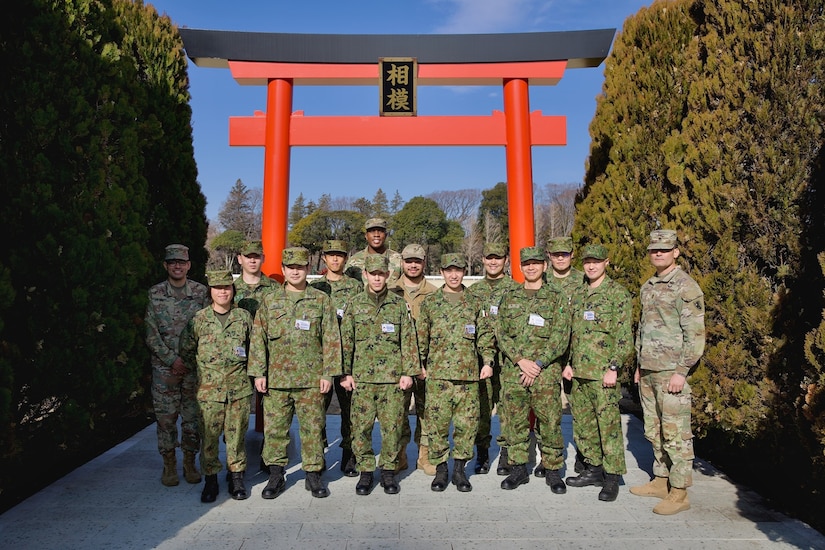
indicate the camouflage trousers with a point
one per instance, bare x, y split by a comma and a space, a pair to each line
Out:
597, 424
667, 427
231, 419
174, 396
489, 392
386, 403
280, 406
456, 401
544, 397
419, 389
345, 402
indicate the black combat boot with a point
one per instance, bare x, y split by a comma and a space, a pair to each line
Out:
580, 464
364, 485
237, 490
518, 476
441, 475
460, 477
276, 484
540, 470
348, 463
610, 490
210, 488
503, 468
313, 484
553, 480
592, 475
388, 482
482, 460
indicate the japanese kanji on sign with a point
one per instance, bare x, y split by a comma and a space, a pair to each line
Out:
397, 86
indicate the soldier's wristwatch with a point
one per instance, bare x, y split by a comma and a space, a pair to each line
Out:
613, 366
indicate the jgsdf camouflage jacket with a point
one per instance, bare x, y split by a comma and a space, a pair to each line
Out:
339, 291
250, 298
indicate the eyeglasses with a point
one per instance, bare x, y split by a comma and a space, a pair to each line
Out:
177, 262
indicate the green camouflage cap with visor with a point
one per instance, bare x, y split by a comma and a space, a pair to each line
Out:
297, 255
594, 251
498, 250
560, 244
662, 239
413, 251
221, 277
376, 262
252, 247
453, 260
371, 223
336, 246
177, 252
532, 253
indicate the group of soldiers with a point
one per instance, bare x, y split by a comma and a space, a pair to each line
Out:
377, 333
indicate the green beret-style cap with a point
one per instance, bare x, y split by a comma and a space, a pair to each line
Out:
177, 252
594, 251
297, 255
221, 277
453, 260
532, 253
336, 246
662, 239
376, 262
498, 250
560, 244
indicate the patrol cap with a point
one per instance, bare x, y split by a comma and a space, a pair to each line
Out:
662, 239
532, 253
252, 247
376, 262
415, 251
177, 252
498, 250
594, 251
560, 244
220, 277
371, 223
336, 246
453, 260
297, 255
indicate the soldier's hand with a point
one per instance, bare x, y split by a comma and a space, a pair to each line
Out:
529, 368
527, 380
178, 367
637, 376
609, 379
423, 374
567, 373
348, 382
486, 372
405, 383
325, 385
260, 384
676, 384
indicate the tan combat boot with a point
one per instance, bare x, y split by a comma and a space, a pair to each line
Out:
423, 462
675, 502
190, 471
657, 487
170, 469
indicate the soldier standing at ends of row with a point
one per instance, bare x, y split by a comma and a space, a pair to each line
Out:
380, 361
533, 335
601, 343
339, 287
489, 291
294, 351
670, 340
171, 304
215, 343
453, 329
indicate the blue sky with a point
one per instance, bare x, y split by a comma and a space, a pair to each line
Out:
360, 171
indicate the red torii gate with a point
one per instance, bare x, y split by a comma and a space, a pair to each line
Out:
281, 61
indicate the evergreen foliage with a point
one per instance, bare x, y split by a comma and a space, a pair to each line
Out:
237, 212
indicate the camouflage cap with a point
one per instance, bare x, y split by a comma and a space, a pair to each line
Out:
532, 253
252, 247
381, 223
453, 260
413, 251
594, 251
376, 262
220, 277
560, 244
335, 246
177, 252
297, 255
498, 250
662, 239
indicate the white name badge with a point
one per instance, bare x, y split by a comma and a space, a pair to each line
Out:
387, 327
535, 320
493, 310
589, 316
469, 329
240, 351
302, 324
339, 313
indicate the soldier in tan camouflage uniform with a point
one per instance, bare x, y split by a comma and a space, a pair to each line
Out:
601, 343
171, 304
453, 329
215, 342
294, 351
380, 360
375, 231
670, 340
340, 287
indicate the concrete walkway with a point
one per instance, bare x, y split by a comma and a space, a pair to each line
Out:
117, 501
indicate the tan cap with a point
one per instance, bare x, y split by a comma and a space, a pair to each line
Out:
177, 252
662, 239
375, 222
413, 251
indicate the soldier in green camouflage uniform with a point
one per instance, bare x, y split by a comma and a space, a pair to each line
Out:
670, 340
294, 351
340, 287
453, 330
252, 284
489, 291
375, 232
533, 335
601, 342
215, 342
380, 359
171, 304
